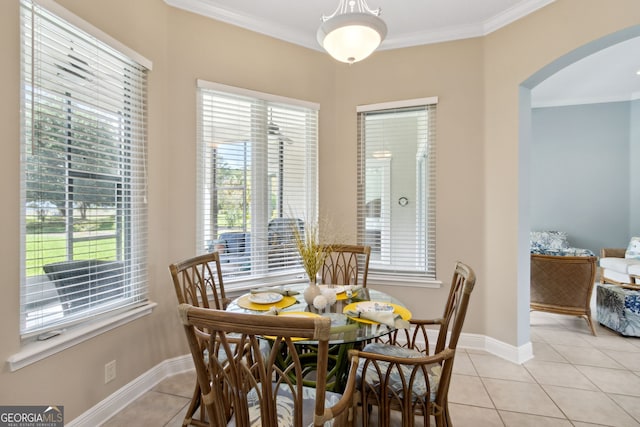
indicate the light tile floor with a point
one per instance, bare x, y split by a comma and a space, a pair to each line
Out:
575, 379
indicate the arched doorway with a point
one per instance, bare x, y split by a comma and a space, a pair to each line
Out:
525, 144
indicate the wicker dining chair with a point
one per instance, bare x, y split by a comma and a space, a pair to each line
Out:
403, 375
346, 265
198, 281
258, 387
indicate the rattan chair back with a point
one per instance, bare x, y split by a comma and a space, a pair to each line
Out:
402, 376
198, 281
346, 265
261, 387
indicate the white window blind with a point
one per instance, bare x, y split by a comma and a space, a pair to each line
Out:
83, 175
396, 186
257, 179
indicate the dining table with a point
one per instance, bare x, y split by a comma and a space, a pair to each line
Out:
351, 324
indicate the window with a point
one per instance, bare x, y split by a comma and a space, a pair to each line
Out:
396, 186
257, 179
83, 174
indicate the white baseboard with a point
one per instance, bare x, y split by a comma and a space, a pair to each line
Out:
498, 348
511, 353
114, 403
506, 351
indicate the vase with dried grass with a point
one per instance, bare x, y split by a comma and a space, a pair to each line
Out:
312, 255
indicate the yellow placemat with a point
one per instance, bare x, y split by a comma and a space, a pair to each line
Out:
244, 302
403, 312
295, 314
299, 314
343, 295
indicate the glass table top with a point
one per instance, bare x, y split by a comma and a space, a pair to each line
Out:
344, 328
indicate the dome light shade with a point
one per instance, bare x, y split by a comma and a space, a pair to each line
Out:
352, 36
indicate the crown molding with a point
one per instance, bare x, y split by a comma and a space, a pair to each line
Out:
479, 29
430, 37
258, 25
514, 13
247, 22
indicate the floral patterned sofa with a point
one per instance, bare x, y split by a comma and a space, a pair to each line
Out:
554, 243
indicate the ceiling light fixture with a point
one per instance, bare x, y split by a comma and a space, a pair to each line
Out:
352, 32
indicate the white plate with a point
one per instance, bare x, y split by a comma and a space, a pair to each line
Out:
265, 298
338, 289
368, 306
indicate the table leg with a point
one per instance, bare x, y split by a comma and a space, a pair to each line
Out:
338, 368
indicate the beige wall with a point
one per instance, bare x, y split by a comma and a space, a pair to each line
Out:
476, 81
75, 377
511, 56
453, 73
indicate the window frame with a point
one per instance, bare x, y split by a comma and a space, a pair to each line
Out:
129, 193
424, 196
269, 211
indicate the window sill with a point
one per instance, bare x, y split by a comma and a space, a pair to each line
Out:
242, 285
410, 281
35, 351
402, 280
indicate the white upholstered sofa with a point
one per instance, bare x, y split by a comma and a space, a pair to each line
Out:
621, 266
618, 294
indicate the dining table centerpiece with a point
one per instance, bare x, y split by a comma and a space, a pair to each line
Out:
312, 255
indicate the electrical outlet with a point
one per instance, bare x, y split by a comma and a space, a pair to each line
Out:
110, 371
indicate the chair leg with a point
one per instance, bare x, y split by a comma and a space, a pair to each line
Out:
441, 416
194, 405
447, 417
590, 322
365, 410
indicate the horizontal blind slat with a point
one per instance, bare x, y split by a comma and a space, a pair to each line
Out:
256, 159
84, 175
396, 159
